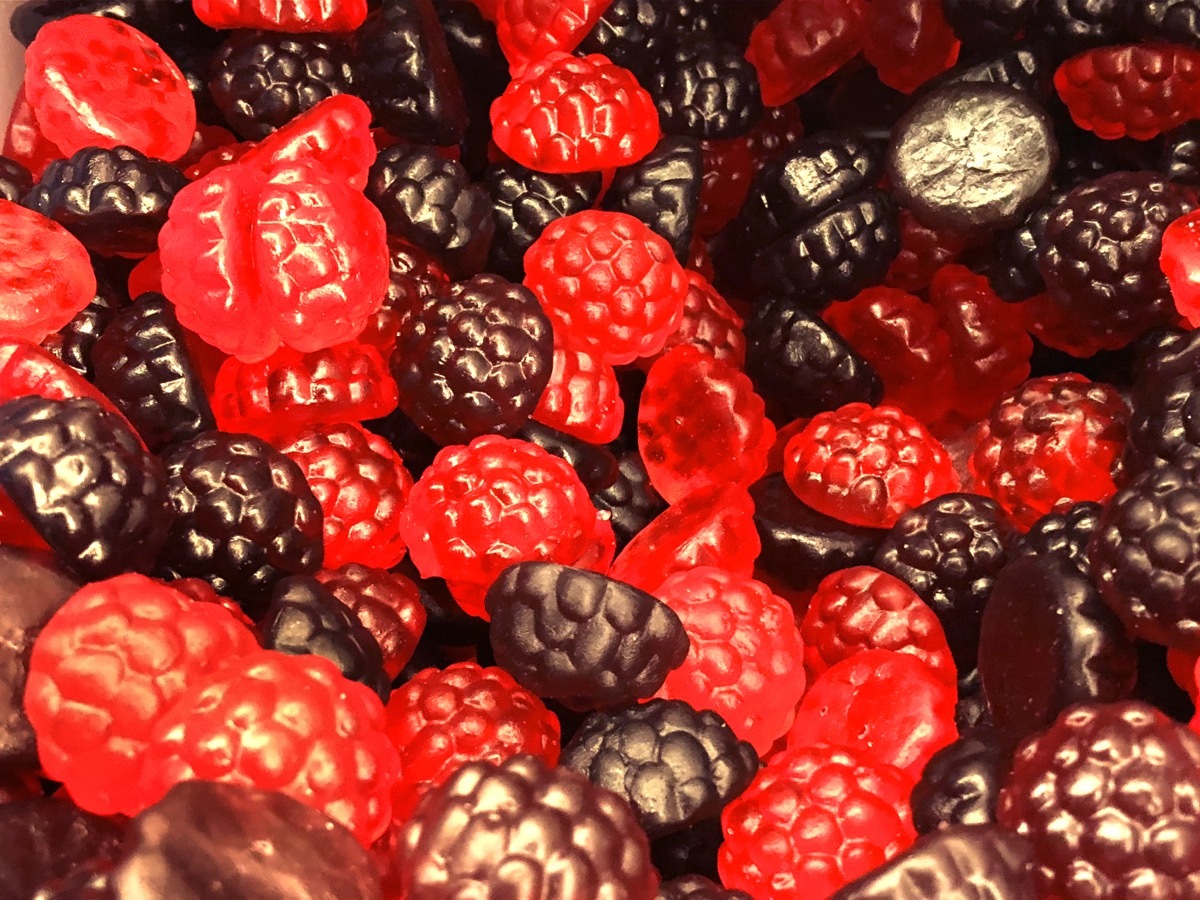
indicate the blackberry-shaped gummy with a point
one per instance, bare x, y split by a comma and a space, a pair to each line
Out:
162, 20
662, 190
1063, 534
474, 359
800, 366
1100, 256
697, 887
595, 465
1024, 67
547, 827
115, 201
429, 200
689, 852
482, 73
632, 33
406, 74
15, 180
675, 765
949, 550
1070, 26
244, 517
1176, 21
524, 202
74, 341
705, 88
960, 784
142, 363
79, 474
46, 839
386, 603
987, 23
581, 638
1164, 422
631, 499
1013, 273
1179, 158
261, 80
1105, 796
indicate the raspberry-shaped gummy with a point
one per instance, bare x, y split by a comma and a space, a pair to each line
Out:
480, 508
923, 250
287, 723
867, 465
473, 359
386, 603
705, 88
610, 281
803, 42
105, 670
746, 660
709, 323
676, 766
582, 397
1164, 422
908, 42
529, 30
815, 819
862, 608
570, 114
28, 370
293, 15
1104, 796
443, 719
336, 133
581, 638
1054, 438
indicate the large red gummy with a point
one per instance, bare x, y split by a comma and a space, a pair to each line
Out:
24, 141
97, 82
282, 15
582, 398
106, 669
908, 42
529, 29
570, 114
803, 42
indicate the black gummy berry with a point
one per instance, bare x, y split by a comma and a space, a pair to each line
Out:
689, 852
971, 710
581, 638
960, 784
697, 887
987, 23
115, 201
474, 359
1013, 272
15, 180
1177, 21
1063, 534
1164, 420
595, 465
1179, 159
81, 477
304, 618
47, 839
706, 89
406, 76
161, 19
74, 341
663, 191
245, 517
676, 766
430, 201
143, 365
1068, 27
630, 499
634, 34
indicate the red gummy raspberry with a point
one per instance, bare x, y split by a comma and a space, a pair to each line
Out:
867, 465
1131, 90
1182, 666
802, 43
813, 820
386, 603
24, 141
746, 659
202, 592
28, 370
729, 167
290, 390
413, 276
97, 82
1053, 439
283, 723
224, 155
700, 424
445, 718
923, 251
610, 281
497, 501
1180, 262
778, 131
107, 668
575, 114
709, 323
908, 42
282, 15
361, 484
582, 398
206, 139
528, 30
862, 608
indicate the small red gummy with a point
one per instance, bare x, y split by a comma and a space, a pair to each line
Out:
282, 15
530, 29
709, 323
1180, 262
803, 42
582, 398
908, 42
386, 603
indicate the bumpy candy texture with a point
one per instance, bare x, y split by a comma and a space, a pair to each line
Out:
705, 88
984, 22
529, 30
29, 370
443, 719
663, 190
569, 114
710, 324
548, 830
582, 397
1164, 416
386, 603
73, 342
908, 42
1105, 796
581, 638
815, 819
47, 839
746, 660
960, 784
24, 140
595, 465
105, 670
1064, 534
633, 33
802, 42
413, 276
923, 251
273, 15
286, 723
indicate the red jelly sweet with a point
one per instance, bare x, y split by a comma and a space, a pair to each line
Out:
283, 15
803, 42
582, 398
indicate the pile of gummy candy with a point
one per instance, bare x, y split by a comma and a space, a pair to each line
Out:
601, 450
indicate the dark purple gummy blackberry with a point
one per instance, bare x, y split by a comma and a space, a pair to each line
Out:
706, 17
405, 74
524, 203
1164, 420
800, 546
1068, 27
630, 499
474, 359
79, 474
706, 89
48, 839
115, 201
161, 19
1179, 158
15, 180
1177, 21
1100, 253
987, 23
1023, 66
1062, 534
1013, 271
595, 465
1145, 556
581, 638
1140, 775
800, 366
663, 191
244, 517
634, 34
676, 766
143, 365
304, 618
261, 80
415, 447
248, 842
960, 784
965, 862
545, 826
949, 550
697, 887
73, 342
430, 201
1048, 641
689, 852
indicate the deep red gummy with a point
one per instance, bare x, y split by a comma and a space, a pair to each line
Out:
282, 15
709, 323
803, 42
908, 42
923, 251
1181, 264
729, 167
528, 30
582, 398
386, 603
